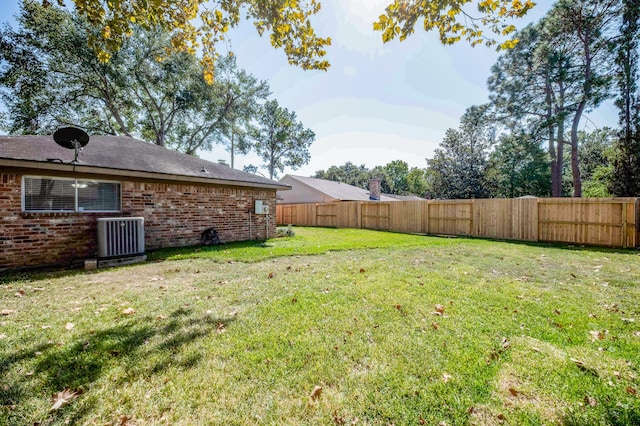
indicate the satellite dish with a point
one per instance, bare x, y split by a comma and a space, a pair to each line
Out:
71, 138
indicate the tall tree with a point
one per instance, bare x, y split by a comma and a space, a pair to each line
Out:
518, 167
530, 88
589, 24
280, 140
49, 76
160, 88
458, 167
348, 173
626, 165
395, 178
417, 181
559, 70
597, 151
220, 113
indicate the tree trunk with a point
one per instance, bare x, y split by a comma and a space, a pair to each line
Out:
556, 189
575, 165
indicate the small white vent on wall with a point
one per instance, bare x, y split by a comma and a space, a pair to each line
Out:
120, 236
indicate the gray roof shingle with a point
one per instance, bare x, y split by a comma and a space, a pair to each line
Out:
337, 190
121, 153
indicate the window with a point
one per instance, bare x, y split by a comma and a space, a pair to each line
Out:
52, 194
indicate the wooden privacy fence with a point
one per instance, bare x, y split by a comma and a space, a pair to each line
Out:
610, 222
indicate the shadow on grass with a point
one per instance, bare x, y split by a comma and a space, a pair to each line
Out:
137, 348
203, 251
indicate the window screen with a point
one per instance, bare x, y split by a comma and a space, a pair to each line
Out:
59, 194
98, 196
49, 194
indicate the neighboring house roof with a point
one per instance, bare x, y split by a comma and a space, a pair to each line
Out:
404, 197
329, 189
125, 157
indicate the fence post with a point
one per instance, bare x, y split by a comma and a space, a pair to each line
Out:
624, 225
428, 216
472, 231
314, 215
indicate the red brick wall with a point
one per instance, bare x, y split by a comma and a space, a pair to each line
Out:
174, 214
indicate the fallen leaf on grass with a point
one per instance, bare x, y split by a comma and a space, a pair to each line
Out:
435, 325
631, 391
6, 312
628, 319
439, 309
505, 343
446, 377
220, 329
128, 311
3, 336
315, 394
596, 335
20, 293
577, 362
272, 274
63, 398
636, 333
69, 326
362, 271
590, 400
161, 317
514, 392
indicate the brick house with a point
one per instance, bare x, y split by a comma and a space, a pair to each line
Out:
49, 206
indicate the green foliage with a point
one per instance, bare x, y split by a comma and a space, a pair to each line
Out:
221, 112
194, 24
395, 177
518, 167
141, 91
626, 175
559, 69
451, 21
458, 169
50, 77
280, 140
348, 173
417, 182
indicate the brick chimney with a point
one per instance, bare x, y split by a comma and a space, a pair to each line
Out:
374, 189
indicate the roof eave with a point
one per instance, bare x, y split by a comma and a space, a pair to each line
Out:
78, 168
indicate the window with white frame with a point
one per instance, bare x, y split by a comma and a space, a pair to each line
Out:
54, 194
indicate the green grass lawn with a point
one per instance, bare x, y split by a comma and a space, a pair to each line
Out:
394, 329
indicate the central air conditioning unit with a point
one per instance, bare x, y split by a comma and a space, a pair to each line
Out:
120, 237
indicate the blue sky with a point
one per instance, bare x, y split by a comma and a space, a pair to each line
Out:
378, 102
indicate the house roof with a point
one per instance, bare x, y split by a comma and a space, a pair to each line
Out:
125, 157
404, 197
336, 190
